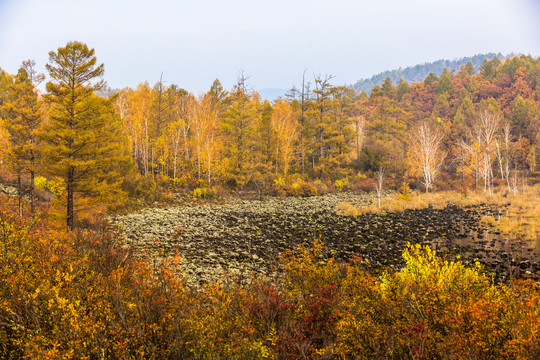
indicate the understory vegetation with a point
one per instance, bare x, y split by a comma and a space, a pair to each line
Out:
77, 157
80, 295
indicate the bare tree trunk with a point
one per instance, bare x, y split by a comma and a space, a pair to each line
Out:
20, 192
507, 164
159, 120
31, 188
209, 160
304, 98
70, 189
277, 157
380, 181
152, 163
482, 146
462, 171
198, 155
476, 169
146, 147
175, 157
500, 159
513, 184
359, 125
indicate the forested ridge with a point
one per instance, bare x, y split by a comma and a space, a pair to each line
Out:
75, 153
418, 73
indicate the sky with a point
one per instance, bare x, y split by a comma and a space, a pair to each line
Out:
194, 42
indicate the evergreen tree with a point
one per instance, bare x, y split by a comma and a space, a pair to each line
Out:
445, 83
321, 120
488, 68
465, 110
431, 79
218, 95
5, 80
403, 88
441, 106
520, 116
22, 120
83, 142
388, 87
239, 125
469, 68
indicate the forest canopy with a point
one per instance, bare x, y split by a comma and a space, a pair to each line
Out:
90, 142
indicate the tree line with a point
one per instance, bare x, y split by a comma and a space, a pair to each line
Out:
460, 129
326, 131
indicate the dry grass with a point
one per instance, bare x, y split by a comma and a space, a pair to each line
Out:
348, 209
489, 221
520, 218
398, 203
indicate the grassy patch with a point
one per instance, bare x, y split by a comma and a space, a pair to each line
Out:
520, 213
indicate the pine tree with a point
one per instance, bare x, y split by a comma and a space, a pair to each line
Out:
83, 141
445, 83
402, 89
22, 119
321, 118
388, 87
239, 125
218, 96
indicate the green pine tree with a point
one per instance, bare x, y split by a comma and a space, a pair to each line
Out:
83, 142
22, 119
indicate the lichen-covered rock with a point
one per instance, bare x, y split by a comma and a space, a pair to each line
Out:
246, 237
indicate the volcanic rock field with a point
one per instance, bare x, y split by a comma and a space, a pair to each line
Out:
245, 237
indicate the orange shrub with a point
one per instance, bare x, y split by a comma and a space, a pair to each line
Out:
82, 296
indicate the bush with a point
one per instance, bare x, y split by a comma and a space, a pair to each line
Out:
56, 185
301, 188
141, 187
81, 296
405, 192
365, 185
322, 188
181, 181
342, 185
307, 189
231, 184
435, 309
205, 193
40, 182
280, 181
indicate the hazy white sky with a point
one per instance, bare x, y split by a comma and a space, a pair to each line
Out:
193, 42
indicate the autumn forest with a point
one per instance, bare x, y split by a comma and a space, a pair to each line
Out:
457, 148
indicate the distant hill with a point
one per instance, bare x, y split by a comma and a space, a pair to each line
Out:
419, 72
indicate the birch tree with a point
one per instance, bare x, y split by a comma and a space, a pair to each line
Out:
502, 145
486, 126
134, 107
286, 132
426, 151
481, 145
205, 125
